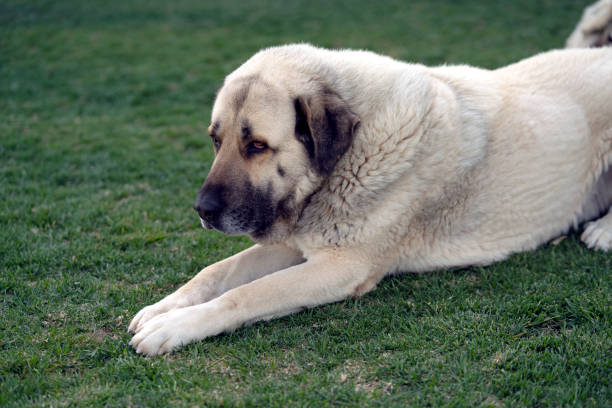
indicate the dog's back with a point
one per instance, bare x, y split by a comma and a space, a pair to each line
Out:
584, 74
579, 84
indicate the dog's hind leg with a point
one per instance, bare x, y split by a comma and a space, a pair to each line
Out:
598, 234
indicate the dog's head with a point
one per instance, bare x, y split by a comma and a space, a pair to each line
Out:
273, 147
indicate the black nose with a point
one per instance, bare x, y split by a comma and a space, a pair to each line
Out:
208, 202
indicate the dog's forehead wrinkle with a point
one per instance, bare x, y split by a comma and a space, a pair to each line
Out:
245, 129
242, 87
235, 91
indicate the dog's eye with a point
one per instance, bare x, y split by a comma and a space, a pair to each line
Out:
256, 147
216, 142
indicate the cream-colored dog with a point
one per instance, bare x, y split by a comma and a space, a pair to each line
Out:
346, 166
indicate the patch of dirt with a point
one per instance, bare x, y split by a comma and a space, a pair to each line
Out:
492, 401
499, 358
356, 372
473, 278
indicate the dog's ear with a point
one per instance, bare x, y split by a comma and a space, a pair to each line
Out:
325, 125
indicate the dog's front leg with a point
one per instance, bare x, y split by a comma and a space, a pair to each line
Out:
212, 281
327, 277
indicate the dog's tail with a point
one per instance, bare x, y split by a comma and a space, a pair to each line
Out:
594, 28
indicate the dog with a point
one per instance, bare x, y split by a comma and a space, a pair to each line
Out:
347, 166
594, 28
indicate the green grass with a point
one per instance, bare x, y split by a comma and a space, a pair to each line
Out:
104, 108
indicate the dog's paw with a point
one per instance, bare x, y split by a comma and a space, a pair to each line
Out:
598, 234
167, 304
161, 334
168, 331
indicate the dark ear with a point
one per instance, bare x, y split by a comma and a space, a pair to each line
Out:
325, 125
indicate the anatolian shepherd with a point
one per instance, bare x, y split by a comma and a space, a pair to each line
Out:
346, 166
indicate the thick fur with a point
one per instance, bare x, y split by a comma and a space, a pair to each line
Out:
375, 166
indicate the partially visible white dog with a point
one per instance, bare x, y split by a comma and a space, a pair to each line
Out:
346, 166
594, 28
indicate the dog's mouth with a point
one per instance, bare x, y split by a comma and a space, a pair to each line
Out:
239, 222
205, 224
228, 224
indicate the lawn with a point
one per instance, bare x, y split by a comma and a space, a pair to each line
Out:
104, 108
